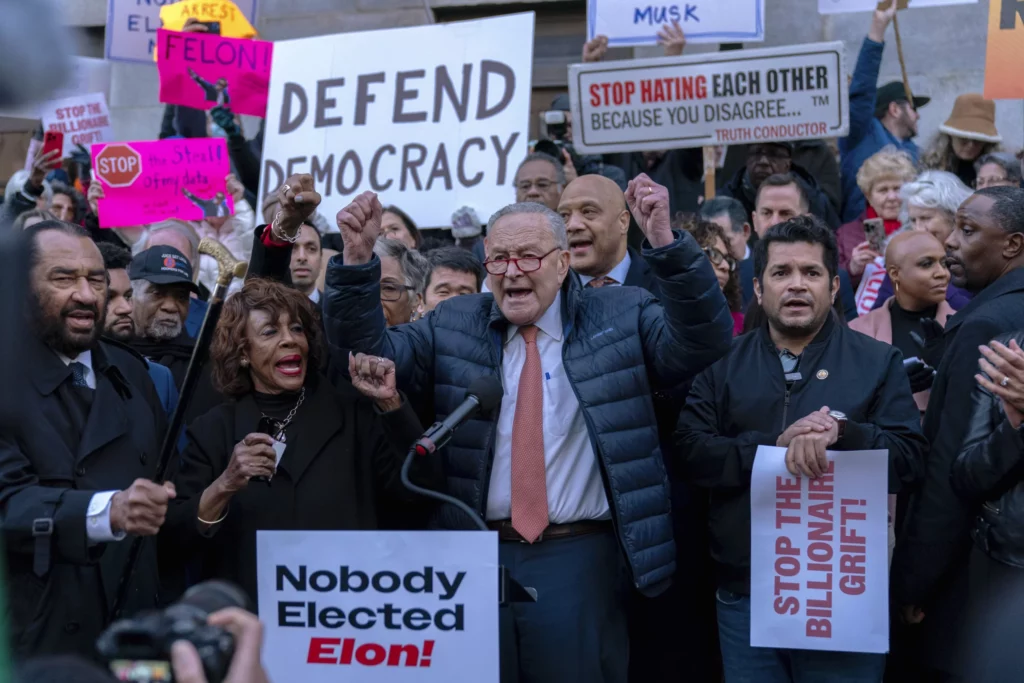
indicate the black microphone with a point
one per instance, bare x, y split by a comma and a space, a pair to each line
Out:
483, 396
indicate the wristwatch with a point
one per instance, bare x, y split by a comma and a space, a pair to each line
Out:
841, 419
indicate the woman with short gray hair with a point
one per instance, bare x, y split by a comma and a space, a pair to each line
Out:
930, 202
403, 275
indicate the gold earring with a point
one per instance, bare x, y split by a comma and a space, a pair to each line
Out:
895, 288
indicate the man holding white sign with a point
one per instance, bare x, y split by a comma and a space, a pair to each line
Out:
793, 383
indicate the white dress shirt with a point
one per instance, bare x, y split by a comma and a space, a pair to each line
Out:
618, 273
97, 516
315, 296
575, 490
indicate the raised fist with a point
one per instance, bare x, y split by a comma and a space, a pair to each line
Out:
360, 226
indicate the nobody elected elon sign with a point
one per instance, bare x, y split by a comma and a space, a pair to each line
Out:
379, 606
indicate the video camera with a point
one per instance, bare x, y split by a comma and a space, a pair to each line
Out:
555, 136
139, 649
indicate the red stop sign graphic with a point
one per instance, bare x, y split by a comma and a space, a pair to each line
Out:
118, 165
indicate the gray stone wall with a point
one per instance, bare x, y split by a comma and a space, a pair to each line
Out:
945, 48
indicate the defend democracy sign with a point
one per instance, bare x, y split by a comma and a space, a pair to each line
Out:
146, 182
431, 117
203, 71
379, 606
83, 119
635, 22
819, 554
132, 24
776, 94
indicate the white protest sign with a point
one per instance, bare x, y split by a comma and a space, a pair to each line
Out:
787, 93
634, 22
379, 606
83, 119
132, 27
430, 117
819, 555
848, 6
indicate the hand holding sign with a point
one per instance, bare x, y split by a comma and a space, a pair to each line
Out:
805, 455
595, 50
648, 202
673, 39
359, 223
881, 20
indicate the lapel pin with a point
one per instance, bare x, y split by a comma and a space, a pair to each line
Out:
822, 374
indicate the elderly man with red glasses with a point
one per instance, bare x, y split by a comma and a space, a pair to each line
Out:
567, 471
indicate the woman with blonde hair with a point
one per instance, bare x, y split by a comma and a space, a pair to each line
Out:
880, 178
968, 134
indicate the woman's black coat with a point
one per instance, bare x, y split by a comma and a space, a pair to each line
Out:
341, 464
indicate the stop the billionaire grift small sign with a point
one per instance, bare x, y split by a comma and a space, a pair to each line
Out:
379, 606
146, 182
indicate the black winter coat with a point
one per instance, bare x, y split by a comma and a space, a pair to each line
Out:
742, 402
989, 475
342, 461
933, 523
49, 470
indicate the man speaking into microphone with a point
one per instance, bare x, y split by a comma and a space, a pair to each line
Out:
566, 470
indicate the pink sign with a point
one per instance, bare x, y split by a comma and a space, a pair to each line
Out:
146, 182
204, 70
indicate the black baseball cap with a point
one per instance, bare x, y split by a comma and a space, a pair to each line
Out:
162, 265
894, 92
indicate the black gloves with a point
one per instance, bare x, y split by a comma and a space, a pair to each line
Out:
932, 344
225, 118
920, 375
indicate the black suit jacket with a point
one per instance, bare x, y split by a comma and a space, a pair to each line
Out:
342, 460
66, 608
640, 275
929, 564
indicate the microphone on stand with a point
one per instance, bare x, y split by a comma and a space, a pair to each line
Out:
483, 396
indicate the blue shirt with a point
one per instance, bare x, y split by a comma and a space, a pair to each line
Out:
196, 313
867, 134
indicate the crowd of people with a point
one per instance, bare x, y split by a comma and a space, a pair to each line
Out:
648, 340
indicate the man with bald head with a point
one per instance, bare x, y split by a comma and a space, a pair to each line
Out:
597, 222
567, 469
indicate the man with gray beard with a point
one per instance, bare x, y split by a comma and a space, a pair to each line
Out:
162, 284
161, 279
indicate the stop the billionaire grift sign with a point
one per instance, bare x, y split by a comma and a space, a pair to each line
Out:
147, 182
379, 606
787, 93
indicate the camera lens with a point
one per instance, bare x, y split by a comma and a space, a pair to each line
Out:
211, 596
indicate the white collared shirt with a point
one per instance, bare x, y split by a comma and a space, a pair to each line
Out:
575, 490
315, 296
97, 516
618, 273
746, 254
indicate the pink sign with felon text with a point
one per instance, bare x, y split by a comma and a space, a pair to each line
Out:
146, 182
203, 70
